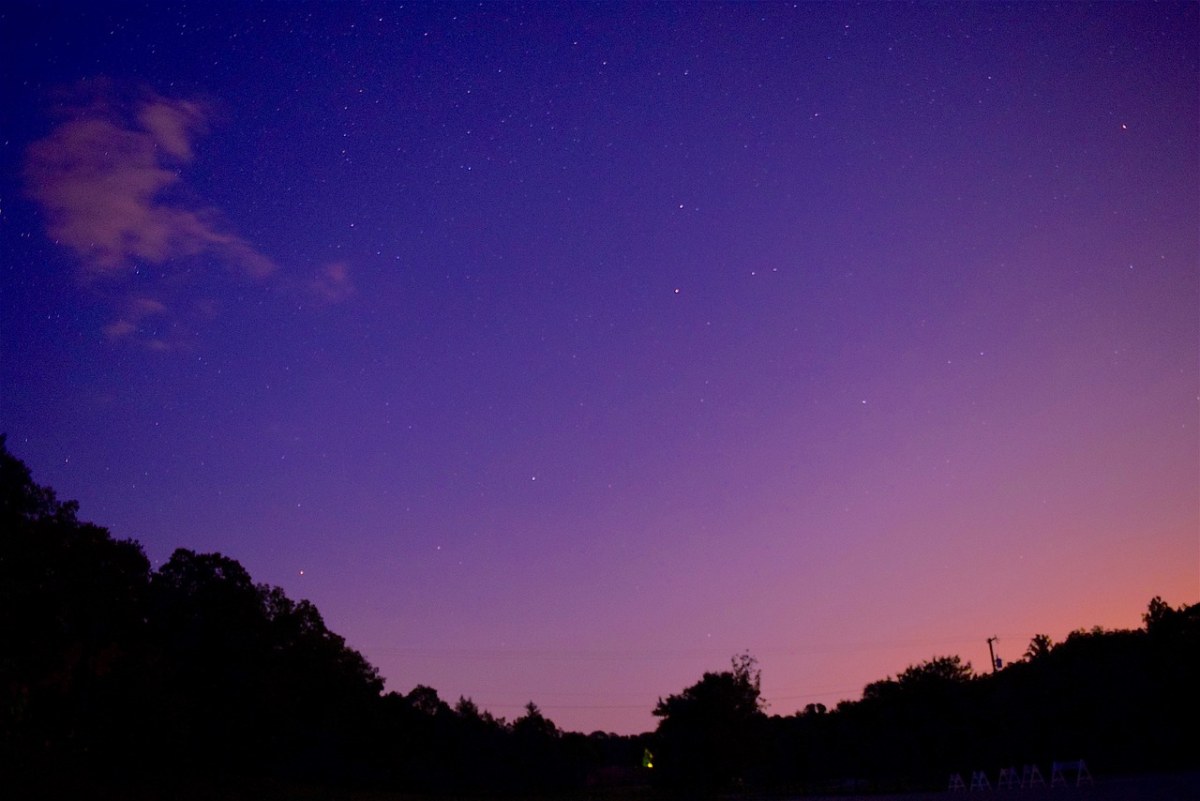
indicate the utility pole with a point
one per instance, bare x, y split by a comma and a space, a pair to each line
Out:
992, 652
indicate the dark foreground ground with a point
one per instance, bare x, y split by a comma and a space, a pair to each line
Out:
1159, 787
1169, 787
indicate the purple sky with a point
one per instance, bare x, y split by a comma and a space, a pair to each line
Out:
560, 352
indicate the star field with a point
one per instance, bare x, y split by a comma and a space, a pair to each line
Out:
561, 351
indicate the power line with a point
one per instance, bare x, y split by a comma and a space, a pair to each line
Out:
601, 654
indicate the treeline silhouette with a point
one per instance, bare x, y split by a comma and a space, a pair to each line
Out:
1127, 702
115, 675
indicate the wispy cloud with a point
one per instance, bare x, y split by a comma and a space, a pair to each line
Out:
103, 178
136, 311
333, 284
109, 179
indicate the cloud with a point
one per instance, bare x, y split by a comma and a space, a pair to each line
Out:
119, 329
333, 285
172, 125
108, 177
136, 311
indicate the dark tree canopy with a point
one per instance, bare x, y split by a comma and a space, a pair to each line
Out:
72, 621
1039, 646
707, 736
108, 663
533, 725
941, 671
113, 672
730, 695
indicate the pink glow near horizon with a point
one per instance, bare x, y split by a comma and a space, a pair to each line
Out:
559, 353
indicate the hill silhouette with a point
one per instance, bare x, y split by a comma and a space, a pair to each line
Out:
117, 676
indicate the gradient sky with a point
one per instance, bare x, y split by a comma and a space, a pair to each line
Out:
562, 351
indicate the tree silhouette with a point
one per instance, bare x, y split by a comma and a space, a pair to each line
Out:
71, 623
537, 750
707, 736
111, 673
194, 668
1039, 647
939, 672
534, 726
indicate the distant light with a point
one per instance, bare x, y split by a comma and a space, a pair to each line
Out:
302, 572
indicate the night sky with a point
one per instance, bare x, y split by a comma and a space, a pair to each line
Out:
559, 352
